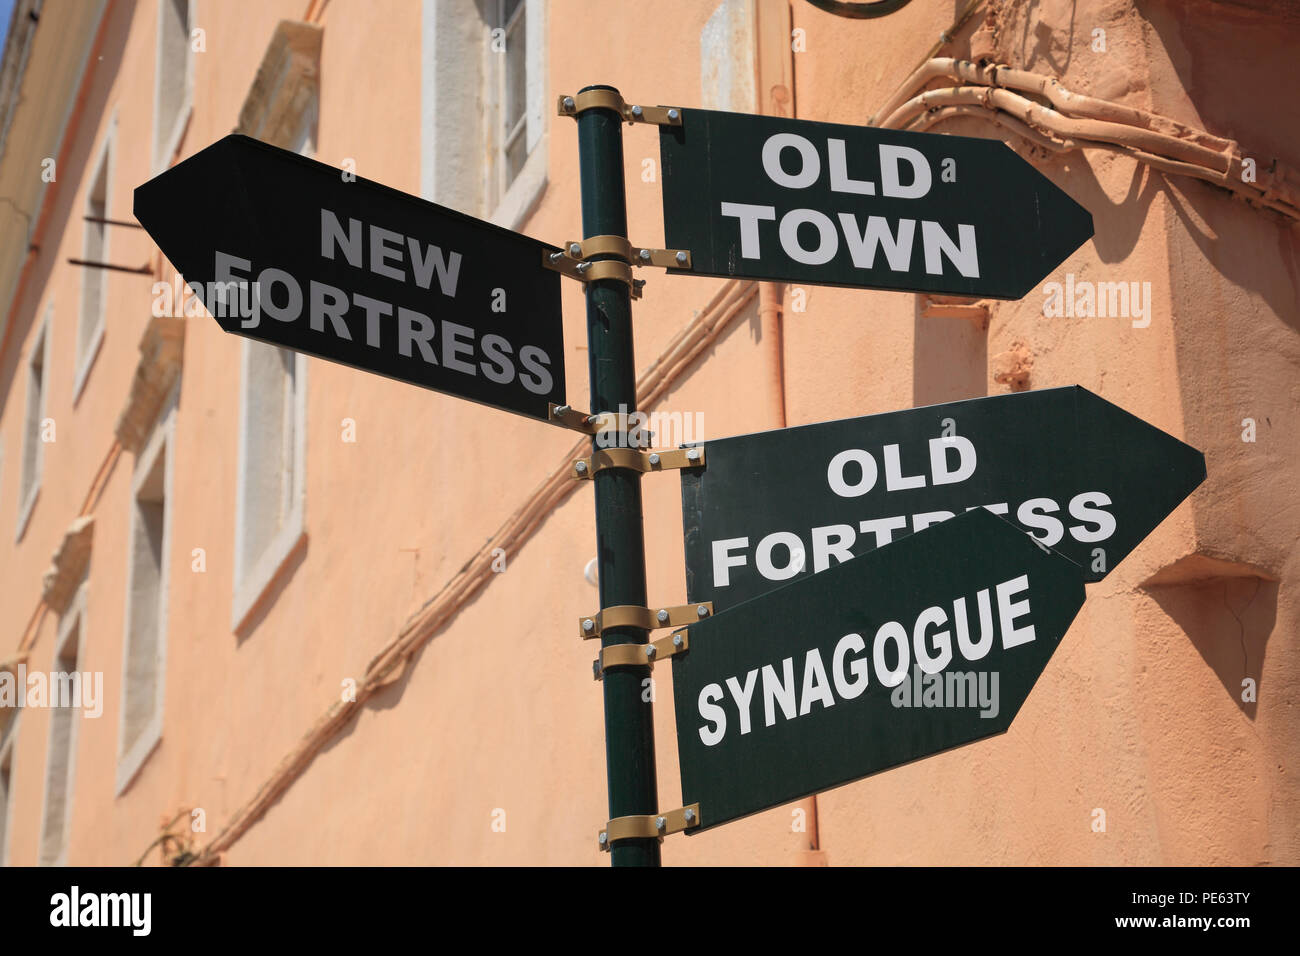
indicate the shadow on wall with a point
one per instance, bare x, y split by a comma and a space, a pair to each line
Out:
1228, 616
1256, 250
949, 354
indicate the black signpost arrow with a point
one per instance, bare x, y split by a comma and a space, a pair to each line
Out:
930, 643
798, 201
288, 251
1082, 475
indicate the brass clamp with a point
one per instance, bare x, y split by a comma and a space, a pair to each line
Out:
652, 825
636, 255
629, 615
584, 271
566, 416
637, 460
609, 100
602, 423
633, 655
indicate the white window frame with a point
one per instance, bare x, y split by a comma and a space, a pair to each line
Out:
7, 747
27, 496
73, 618
87, 350
520, 198
252, 581
165, 142
161, 442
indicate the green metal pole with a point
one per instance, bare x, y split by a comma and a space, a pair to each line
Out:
620, 537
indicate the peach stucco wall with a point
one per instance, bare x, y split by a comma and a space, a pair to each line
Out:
1139, 713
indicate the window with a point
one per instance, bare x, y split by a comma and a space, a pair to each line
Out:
272, 450
511, 92
515, 84
174, 79
6, 782
504, 119
145, 651
272, 454
94, 282
34, 431
65, 699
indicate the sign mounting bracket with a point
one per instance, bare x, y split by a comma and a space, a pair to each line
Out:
630, 615
584, 271
611, 100
602, 423
635, 655
637, 460
651, 825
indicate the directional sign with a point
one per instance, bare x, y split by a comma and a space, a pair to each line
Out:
773, 198
296, 253
1082, 475
932, 642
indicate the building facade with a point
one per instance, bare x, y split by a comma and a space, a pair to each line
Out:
321, 617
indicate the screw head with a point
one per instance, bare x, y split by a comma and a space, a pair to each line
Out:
636, 111
661, 616
575, 249
604, 838
660, 823
588, 625
690, 816
556, 256
693, 454
650, 650
681, 258
583, 266
673, 114
568, 102
654, 458
581, 467
677, 640
644, 255
702, 611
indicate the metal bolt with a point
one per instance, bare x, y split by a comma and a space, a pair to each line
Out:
581, 467
654, 458
595, 670
662, 616
568, 102
644, 255
702, 611
575, 249
673, 114
604, 838
650, 651
556, 256
636, 111
677, 640
584, 266
681, 258
588, 625
690, 816
661, 823
693, 454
